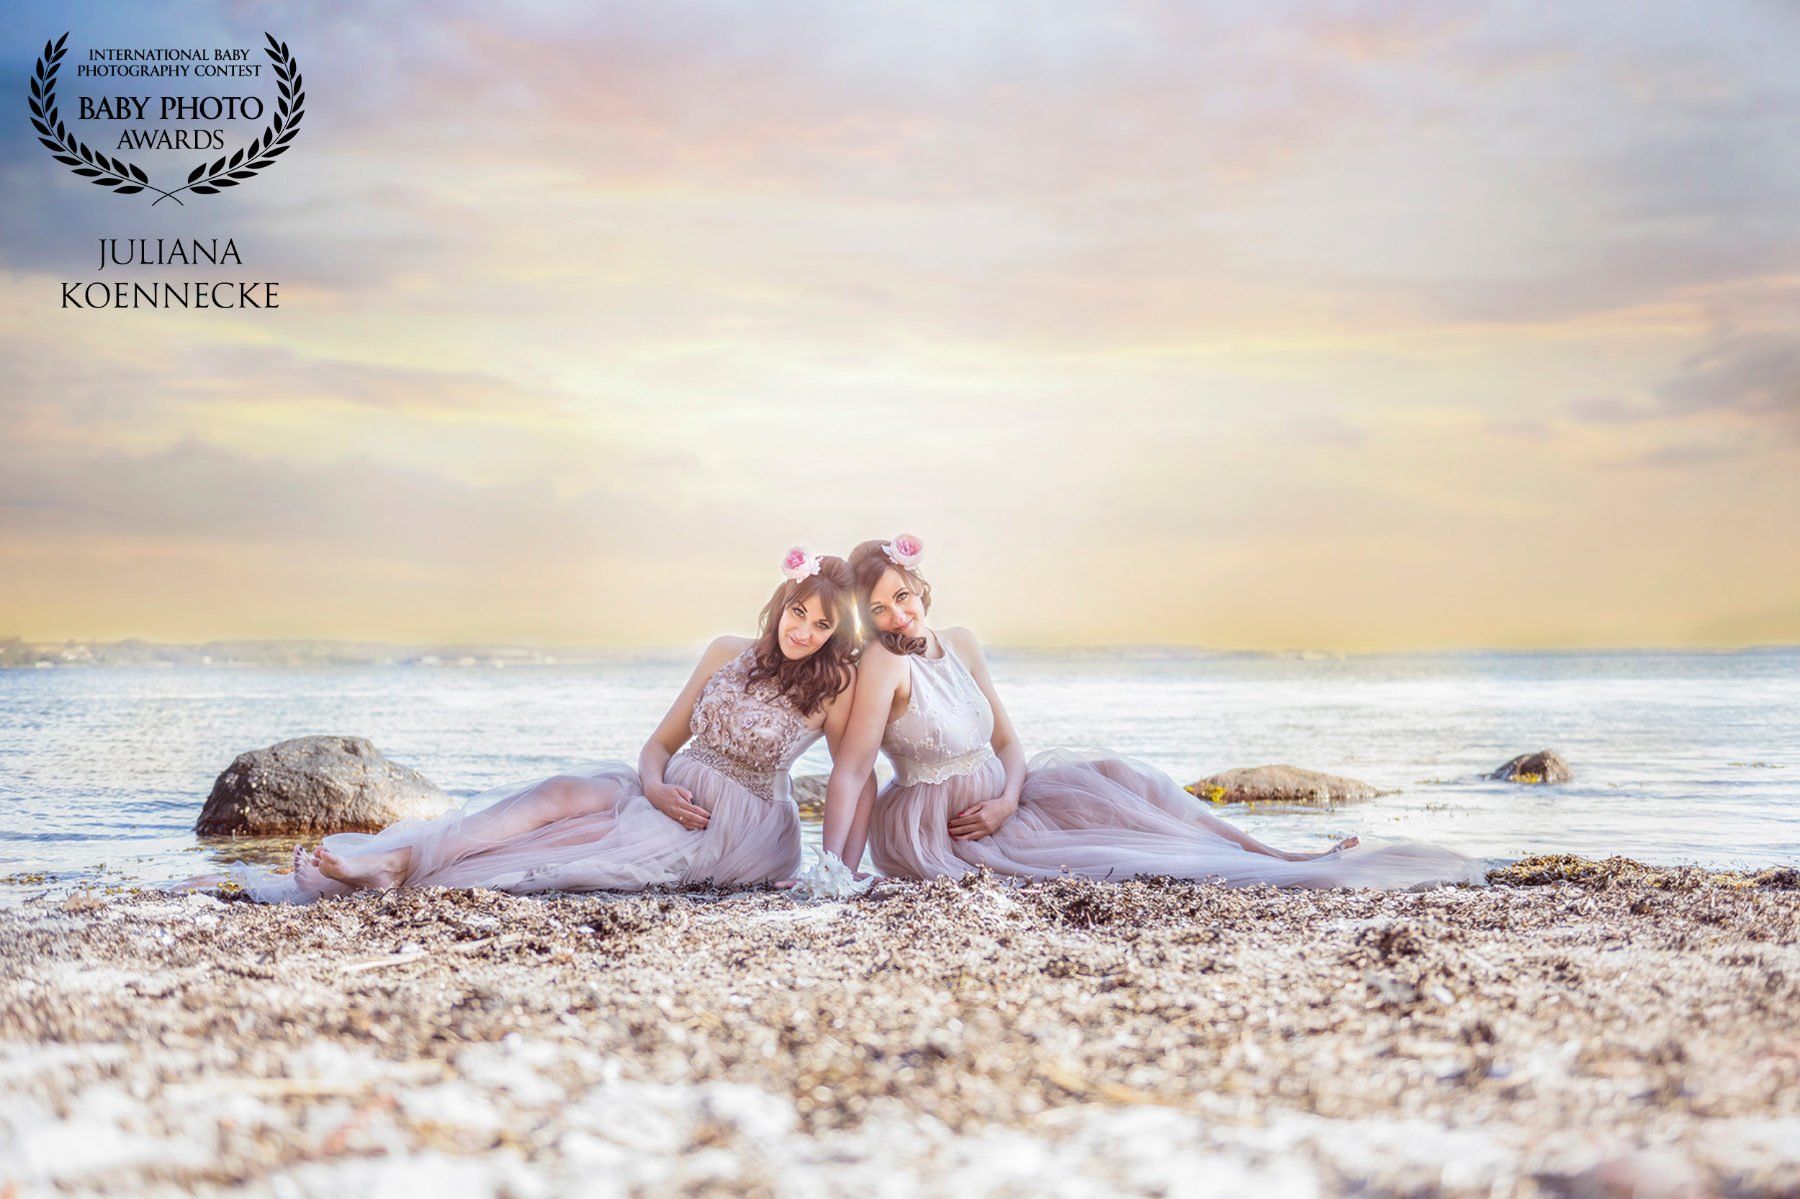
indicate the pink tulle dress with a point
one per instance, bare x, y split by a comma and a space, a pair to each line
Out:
1104, 817
746, 737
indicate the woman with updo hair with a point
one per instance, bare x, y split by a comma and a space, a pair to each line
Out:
964, 796
709, 799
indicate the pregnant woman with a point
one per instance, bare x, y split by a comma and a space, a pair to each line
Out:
964, 796
708, 801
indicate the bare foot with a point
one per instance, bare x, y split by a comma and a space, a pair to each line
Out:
1340, 847
309, 878
375, 870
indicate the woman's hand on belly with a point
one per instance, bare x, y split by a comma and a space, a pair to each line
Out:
677, 803
982, 819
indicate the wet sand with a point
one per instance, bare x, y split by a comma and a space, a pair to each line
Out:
1577, 1028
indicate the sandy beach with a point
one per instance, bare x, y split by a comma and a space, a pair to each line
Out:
1576, 1028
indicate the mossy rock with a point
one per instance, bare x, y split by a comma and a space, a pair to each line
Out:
1282, 785
1544, 766
809, 795
311, 786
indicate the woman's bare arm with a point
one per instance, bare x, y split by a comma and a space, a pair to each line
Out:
878, 677
677, 803
837, 723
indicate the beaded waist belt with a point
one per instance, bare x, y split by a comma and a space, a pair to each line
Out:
908, 772
760, 783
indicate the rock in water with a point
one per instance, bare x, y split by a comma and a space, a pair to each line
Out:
809, 794
1281, 784
1544, 766
316, 785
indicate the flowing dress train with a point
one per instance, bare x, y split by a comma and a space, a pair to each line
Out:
1102, 816
745, 738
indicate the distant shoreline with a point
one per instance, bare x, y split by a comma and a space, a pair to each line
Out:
16, 653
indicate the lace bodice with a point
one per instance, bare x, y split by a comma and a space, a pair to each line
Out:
749, 732
947, 724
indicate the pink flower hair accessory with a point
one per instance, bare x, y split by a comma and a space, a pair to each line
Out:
797, 564
904, 551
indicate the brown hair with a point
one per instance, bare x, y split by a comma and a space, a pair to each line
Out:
809, 682
868, 563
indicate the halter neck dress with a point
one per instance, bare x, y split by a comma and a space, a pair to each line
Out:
745, 737
1097, 817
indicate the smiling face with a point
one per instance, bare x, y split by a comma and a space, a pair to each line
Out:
896, 606
805, 626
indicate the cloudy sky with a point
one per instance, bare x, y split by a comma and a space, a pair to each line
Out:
1356, 327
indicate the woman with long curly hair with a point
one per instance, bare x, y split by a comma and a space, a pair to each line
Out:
709, 798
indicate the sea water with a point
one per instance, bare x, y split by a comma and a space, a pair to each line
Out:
1679, 757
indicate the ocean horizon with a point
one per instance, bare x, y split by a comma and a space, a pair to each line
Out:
1680, 756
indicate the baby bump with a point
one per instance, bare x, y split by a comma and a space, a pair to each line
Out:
909, 833
749, 839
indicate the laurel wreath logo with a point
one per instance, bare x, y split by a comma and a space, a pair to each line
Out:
127, 178
123, 177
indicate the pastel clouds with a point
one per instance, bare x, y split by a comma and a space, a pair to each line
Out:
1327, 325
